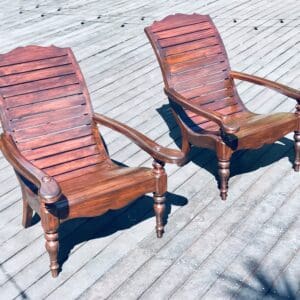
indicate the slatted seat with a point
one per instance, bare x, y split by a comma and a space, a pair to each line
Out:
200, 86
125, 183
52, 141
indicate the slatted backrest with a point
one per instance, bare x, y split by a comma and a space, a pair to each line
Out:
194, 63
45, 107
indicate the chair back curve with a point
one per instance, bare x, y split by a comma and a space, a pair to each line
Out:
194, 63
46, 108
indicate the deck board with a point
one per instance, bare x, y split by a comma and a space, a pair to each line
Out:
245, 248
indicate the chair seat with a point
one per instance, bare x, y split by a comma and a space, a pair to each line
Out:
254, 130
103, 190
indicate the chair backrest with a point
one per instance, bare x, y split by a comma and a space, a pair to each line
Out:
45, 107
194, 63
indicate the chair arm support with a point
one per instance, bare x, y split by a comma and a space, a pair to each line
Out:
49, 190
278, 87
214, 116
156, 151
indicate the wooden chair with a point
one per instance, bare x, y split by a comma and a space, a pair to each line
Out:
52, 141
203, 97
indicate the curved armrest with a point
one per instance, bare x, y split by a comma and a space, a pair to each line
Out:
280, 88
156, 151
214, 116
49, 189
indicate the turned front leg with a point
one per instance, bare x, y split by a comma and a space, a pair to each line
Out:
224, 173
159, 196
50, 225
159, 209
52, 246
297, 151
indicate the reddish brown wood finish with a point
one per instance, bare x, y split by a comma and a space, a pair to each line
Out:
52, 141
203, 97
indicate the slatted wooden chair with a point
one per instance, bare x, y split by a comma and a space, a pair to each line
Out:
203, 97
52, 141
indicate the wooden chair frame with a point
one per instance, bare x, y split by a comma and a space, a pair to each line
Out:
184, 46
50, 195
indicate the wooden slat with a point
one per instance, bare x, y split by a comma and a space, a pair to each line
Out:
176, 40
38, 85
229, 110
46, 117
173, 21
215, 86
213, 96
66, 156
34, 65
74, 165
182, 30
199, 81
217, 105
29, 133
51, 139
58, 147
36, 75
214, 105
50, 105
194, 45
194, 54
58, 92
199, 70
79, 172
32, 53
196, 63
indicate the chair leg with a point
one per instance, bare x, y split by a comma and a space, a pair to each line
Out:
224, 173
27, 214
159, 209
159, 196
52, 246
50, 225
297, 151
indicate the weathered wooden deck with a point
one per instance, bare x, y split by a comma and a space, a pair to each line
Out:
244, 248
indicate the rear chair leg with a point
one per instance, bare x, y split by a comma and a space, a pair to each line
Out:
27, 210
297, 151
224, 173
27, 214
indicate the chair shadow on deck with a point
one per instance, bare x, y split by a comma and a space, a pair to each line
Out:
113, 221
206, 158
266, 287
